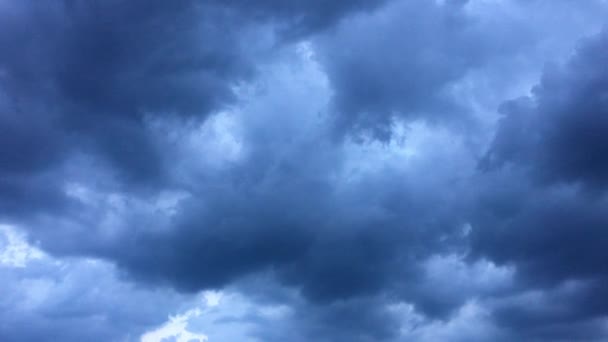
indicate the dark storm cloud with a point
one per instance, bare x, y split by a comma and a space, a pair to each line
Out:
86, 77
560, 131
543, 206
82, 77
553, 235
557, 138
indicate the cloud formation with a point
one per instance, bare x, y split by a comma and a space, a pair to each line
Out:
396, 171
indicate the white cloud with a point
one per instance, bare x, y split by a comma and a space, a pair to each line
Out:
14, 249
176, 328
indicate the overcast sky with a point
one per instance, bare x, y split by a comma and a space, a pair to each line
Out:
304, 170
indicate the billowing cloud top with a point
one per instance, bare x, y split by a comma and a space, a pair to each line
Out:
398, 170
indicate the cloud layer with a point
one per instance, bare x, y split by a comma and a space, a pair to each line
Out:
405, 170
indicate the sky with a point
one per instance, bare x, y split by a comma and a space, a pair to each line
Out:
304, 170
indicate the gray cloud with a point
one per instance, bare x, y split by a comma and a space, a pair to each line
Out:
191, 145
